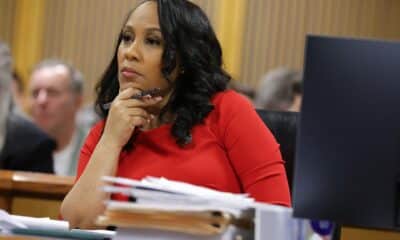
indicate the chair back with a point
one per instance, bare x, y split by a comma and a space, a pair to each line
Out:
283, 126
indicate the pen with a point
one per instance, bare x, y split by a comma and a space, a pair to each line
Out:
152, 92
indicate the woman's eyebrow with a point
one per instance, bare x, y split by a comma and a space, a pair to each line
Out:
149, 29
127, 27
153, 29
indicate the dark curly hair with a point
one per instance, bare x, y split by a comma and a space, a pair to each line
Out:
189, 37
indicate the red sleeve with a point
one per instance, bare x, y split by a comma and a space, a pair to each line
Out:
252, 150
88, 147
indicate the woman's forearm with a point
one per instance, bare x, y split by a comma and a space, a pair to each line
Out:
85, 201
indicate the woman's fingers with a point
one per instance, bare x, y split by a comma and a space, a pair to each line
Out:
138, 121
126, 114
127, 93
124, 99
136, 116
142, 103
139, 112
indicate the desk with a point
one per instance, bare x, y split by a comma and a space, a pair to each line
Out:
366, 234
33, 194
40, 195
18, 238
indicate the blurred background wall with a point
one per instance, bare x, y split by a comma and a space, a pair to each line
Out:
257, 35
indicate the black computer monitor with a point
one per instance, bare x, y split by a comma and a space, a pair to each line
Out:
347, 161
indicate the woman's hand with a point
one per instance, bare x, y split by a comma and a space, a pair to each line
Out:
125, 115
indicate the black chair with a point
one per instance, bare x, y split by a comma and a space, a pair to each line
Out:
283, 126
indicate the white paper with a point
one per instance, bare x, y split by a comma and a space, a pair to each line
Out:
229, 200
7, 222
149, 195
118, 205
41, 223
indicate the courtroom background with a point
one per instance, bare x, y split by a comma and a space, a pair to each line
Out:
257, 35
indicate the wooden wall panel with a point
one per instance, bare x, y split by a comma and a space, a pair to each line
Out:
84, 33
7, 9
209, 7
275, 34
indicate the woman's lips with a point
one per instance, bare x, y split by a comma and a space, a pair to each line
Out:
130, 73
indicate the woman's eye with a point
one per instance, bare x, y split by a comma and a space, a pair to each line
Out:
126, 37
153, 41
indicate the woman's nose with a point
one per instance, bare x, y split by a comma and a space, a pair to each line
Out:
133, 52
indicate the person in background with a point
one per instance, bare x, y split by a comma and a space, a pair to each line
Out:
297, 93
192, 129
243, 89
280, 90
23, 146
17, 88
87, 116
56, 94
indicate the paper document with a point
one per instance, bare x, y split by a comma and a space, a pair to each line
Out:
168, 186
46, 227
41, 223
175, 206
7, 222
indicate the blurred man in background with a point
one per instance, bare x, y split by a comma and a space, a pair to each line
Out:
56, 94
297, 88
280, 90
23, 146
243, 89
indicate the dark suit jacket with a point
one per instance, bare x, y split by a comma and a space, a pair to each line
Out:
26, 147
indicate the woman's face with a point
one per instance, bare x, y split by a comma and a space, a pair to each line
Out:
141, 49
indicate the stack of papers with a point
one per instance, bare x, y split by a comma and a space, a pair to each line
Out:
175, 206
46, 227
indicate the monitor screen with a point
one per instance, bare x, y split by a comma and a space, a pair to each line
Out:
347, 161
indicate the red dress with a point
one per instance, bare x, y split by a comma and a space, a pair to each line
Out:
232, 151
